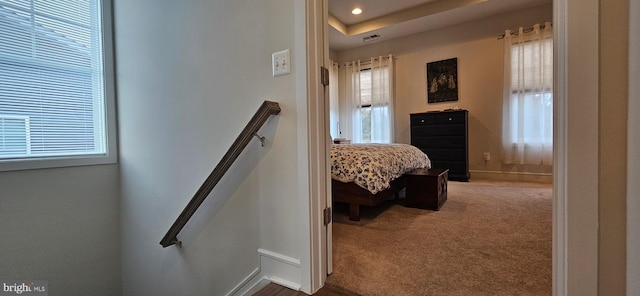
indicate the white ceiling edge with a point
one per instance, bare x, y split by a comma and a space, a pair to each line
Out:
400, 16
338, 41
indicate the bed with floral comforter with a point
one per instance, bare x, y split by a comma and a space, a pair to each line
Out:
375, 168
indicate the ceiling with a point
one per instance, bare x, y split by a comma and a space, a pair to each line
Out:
394, 19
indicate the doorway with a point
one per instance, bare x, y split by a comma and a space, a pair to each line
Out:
561, 172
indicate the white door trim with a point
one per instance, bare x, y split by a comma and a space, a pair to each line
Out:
576, 136
559, 150
318, 141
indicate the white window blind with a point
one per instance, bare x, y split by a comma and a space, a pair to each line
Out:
52, 98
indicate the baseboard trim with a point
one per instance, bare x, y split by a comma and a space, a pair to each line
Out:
279, 257
277, 268
281, 269
285, 283
248, 284
512, 176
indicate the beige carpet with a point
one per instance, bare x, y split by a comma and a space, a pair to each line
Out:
489, 238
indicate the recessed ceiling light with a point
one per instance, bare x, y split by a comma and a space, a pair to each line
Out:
356, 11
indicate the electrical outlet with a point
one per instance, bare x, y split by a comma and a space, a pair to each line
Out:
487, 156
281, 63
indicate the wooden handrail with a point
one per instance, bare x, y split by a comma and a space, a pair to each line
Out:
267, 109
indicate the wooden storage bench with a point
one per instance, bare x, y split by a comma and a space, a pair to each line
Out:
426, 188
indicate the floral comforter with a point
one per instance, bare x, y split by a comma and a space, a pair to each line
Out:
374, 166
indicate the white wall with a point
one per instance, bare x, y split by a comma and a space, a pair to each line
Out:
62, 226
480, 72
189, 79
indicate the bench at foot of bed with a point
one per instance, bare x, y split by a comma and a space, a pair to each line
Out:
356, 196
426, 188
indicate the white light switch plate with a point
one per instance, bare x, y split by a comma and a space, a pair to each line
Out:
281, 63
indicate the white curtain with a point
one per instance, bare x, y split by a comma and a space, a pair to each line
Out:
334, 103
527, 125
369, 91
352, 120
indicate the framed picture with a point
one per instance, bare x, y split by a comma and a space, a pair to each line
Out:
442, 81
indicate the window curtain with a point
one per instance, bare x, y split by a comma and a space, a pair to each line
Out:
369, 91
334, 103
352, 121
527, 131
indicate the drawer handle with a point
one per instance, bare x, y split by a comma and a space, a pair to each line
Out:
422, 121
450, 118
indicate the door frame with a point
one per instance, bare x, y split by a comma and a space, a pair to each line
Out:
575, 204
633, 153
318, 142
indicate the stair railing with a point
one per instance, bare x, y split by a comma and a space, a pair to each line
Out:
267, 109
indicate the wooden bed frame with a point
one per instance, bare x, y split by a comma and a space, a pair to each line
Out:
355, 195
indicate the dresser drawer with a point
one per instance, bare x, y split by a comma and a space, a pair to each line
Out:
423, 119
452, 117
455, 166
446, 154
438, 130
458, 170
454, 141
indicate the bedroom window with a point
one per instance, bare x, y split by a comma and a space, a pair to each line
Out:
364, 109
528, 96
56, 91
370, 92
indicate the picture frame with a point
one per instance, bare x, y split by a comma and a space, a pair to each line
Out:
442, 81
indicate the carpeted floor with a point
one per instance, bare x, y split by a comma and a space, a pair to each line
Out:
489, 238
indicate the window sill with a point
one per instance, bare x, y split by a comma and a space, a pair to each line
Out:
58, 162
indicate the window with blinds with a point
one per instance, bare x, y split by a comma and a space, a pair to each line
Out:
373, 109
52, 84
527, 123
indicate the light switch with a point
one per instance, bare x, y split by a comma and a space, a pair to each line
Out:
281, 63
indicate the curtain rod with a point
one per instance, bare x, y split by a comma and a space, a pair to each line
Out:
526, 30
368, 61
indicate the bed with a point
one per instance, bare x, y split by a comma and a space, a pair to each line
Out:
367, 174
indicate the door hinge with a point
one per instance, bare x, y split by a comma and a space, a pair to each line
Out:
327, 216
324, 76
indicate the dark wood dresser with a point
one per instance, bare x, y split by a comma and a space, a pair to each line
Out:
443, 136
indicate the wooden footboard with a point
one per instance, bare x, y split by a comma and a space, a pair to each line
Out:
356, 196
